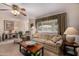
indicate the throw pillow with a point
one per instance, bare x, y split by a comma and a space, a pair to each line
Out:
56, 38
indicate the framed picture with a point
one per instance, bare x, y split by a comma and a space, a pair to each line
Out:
8, 25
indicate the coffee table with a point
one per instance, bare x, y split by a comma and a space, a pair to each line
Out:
32, 49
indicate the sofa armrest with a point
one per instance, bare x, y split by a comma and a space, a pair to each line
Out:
59, 43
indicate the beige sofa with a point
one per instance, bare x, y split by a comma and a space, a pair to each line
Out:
52, 43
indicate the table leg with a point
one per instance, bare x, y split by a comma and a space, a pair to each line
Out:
42, 51
20, 48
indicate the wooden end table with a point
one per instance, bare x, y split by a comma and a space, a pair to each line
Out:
32, 49
74, 46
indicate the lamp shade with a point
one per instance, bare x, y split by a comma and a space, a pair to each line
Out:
71, 31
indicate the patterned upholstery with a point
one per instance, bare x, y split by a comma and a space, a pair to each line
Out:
49, 44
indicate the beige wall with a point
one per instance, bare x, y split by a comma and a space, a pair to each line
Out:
72, 11
19, 21
73, 15
1, 26
23, 24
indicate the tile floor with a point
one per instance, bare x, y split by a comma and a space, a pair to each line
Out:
11, 49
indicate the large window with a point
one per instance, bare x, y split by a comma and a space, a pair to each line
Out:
50, 26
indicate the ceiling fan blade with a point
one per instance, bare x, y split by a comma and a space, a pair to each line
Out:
23, 9
6, 4
23, 13
15, 7
4, 9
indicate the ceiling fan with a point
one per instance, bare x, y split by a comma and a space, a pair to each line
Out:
16, 10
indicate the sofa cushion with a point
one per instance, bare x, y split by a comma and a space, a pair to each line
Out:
56, 38
43, 36
49, 42
39, 40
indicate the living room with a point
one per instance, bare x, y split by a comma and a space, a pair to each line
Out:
38, 23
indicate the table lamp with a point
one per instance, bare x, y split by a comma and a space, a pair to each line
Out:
71, 32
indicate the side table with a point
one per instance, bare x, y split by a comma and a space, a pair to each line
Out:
70, 49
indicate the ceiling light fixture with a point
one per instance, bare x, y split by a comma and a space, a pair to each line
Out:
15, 12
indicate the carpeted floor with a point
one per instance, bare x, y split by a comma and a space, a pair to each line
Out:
12, 49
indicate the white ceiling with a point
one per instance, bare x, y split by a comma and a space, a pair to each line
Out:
39, 9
